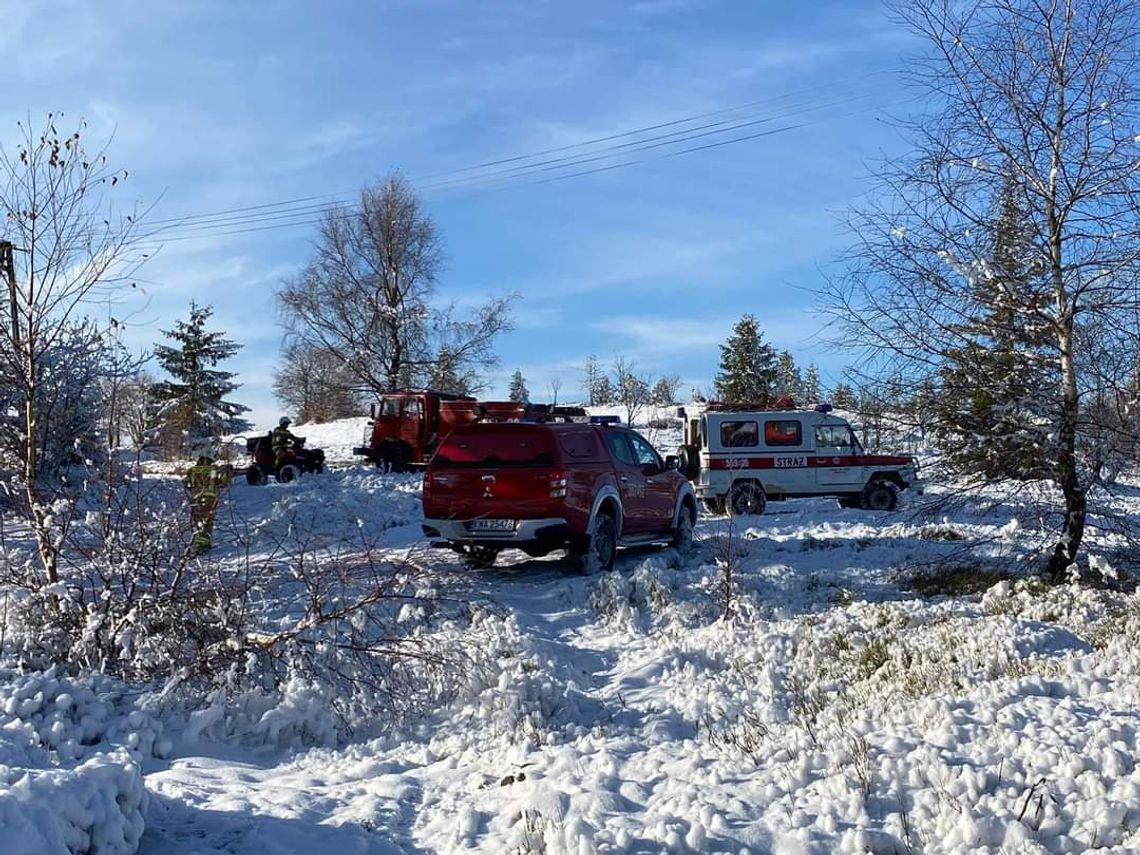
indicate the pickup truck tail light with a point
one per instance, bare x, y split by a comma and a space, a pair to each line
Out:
557, 485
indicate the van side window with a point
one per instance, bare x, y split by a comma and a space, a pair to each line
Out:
744, 434
783, 432
619, 447
833, 436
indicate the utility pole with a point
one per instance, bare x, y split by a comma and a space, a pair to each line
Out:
8, 265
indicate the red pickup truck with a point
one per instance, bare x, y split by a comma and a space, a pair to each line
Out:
539, 487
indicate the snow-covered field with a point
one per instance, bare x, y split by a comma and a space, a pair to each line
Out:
879, 686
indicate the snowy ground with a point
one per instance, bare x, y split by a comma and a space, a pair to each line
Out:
859, 699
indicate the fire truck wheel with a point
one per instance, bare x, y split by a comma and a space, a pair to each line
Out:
746, 498
255, 475
391, 458
880, 496
287, 473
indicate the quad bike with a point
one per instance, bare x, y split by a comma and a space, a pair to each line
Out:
297, 460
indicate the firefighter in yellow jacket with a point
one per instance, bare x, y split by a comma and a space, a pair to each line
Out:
204, 481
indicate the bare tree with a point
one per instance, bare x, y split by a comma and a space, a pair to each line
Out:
314, 384
369, 296
1039, 97
62, 247
633, 389
553, 386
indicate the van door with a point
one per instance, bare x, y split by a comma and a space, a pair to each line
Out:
838, 458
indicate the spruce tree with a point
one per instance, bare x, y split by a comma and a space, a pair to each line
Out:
788, 379
747, 365
842, 398
811, 388
518, 391
192, 403
990, 416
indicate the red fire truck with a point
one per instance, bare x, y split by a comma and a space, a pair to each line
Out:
407, 426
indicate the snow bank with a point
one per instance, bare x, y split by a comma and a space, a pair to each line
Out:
70, 779
94, 807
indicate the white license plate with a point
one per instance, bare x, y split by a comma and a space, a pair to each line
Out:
491, 525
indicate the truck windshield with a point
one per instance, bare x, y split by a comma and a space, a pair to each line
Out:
495, 448
389, 407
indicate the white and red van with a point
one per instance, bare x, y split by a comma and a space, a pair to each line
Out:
739, 458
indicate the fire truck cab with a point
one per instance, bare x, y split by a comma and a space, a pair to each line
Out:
406, 427
741, 457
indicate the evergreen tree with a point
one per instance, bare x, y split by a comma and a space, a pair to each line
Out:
192, 402
604, 391
842, 398
811, 388
990, 416
518, 391
449, 374
665, 390
747, 365
788, 379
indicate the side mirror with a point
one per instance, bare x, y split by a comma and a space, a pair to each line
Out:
372, 410
672, 462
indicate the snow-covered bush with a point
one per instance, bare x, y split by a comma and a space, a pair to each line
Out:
96, 807
73, 718
70, 750
644, 593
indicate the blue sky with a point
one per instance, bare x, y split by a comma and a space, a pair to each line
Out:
218, 105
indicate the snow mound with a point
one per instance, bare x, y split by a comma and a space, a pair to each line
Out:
69, 764
96, 807
72, 718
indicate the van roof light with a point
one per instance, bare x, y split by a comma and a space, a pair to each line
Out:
605, 420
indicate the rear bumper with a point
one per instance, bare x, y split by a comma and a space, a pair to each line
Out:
549, 530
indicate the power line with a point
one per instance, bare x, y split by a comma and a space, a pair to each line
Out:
315, 201
268, 216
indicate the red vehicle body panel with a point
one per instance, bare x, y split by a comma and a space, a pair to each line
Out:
407, 427
551, 473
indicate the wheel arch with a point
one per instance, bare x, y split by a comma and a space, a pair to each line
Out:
607, 496
687, 495
889, 476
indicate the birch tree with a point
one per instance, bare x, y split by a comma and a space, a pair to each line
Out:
1040, 99
64, 246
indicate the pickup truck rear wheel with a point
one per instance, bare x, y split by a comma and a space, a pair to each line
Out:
600, 547
746, 497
